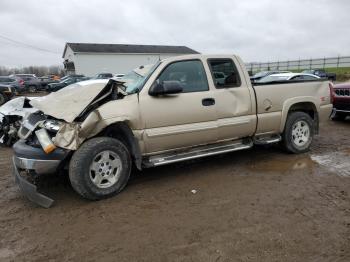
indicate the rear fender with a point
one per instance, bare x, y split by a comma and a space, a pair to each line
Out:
289, 103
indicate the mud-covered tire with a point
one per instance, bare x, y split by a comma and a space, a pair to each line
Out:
82, 169
298, 133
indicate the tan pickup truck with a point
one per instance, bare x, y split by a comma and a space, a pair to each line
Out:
181, 108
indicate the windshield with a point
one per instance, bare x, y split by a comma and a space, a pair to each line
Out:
272, 78
134, 80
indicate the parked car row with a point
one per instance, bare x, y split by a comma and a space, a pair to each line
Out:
27, 82
270, 76
71, 79
30, 83
263, 74
65, 81
287, 77
321, 73
13, 81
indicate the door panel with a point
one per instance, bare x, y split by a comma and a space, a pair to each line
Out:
180, 120
234, 101
234, 113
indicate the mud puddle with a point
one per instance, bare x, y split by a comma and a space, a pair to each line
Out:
282, 163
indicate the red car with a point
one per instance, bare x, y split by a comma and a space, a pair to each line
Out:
341, 101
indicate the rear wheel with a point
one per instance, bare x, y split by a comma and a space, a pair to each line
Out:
298, 132
100, 168
31, 89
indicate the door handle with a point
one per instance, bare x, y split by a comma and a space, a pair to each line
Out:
208, 102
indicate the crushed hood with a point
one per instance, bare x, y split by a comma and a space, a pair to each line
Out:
68, 103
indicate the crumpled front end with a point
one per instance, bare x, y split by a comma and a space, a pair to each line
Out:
30, 161
11, 115
48, 137
34, 156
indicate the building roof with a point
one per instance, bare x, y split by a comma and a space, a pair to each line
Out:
119, 48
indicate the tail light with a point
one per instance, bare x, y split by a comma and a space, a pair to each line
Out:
331, 92
21, 82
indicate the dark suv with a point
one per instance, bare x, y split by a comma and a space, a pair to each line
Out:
15, 82
31, 82
321, 73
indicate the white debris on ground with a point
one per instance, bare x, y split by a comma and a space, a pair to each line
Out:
335, 162
193, 191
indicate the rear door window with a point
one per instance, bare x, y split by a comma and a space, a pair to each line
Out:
224, 73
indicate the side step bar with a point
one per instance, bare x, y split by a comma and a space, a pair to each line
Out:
267, 140
216, 149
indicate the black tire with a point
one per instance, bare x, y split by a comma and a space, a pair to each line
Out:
2, 99
81, 176
32, 89
339, 116
290, 139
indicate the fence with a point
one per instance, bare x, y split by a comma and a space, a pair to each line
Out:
339, 61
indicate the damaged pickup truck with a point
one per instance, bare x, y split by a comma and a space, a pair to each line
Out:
172, 111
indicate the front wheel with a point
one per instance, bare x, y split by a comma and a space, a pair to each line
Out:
298, 132
100, 168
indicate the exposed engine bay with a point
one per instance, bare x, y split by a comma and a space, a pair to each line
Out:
11, 115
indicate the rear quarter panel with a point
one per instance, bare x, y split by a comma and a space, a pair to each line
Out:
275, 100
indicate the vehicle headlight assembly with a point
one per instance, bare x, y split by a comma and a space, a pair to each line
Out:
45, 140
52, 125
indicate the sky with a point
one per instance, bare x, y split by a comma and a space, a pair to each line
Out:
34, 32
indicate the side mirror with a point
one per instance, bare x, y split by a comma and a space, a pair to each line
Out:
165, 88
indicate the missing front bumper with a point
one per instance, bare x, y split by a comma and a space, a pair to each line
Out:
35, 160
28, 189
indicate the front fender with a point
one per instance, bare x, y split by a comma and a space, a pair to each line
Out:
72, 135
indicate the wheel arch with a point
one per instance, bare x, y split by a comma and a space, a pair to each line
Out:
122, 132
307, 105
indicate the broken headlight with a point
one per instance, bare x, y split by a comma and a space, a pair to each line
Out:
45, 140
52, 125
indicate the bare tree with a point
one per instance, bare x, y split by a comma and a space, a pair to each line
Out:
37, 70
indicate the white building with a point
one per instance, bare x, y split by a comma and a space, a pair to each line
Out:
91, 59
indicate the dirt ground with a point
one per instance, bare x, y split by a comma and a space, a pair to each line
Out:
254, 205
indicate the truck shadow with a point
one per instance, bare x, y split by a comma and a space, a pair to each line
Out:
257, 160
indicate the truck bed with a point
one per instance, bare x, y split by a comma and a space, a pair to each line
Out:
274, 99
